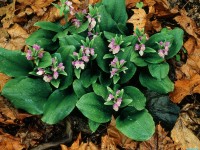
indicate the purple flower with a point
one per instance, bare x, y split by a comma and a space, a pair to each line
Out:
92, 51
78, 64
110, 97
161, 53
114, 62
85, 58
40, 71
61, 67
47, 78
137, 47
87, 51
36, 47
113, 72
122, 62
76, 23
117, 92
167, 44
75, 53
114, 48
119, 101
142, 47
55, 75
116, 107
29, 55
40, 54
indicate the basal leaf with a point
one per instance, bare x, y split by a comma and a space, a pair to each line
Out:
27, 93
49, 26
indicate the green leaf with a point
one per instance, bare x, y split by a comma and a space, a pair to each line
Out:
74, 30
55, 83
137, 125
139, 4
137, 59
28, 94
45, 61
159, 71
88, 77
65, 53
77, 73
161, 86
101, 49
138, 98
100, 90
93, 125
49, 26
78, 88
153, 58
109, 35
117, 9
177, 43
92, 106
125, 77
59, 105
149, 50
14, 64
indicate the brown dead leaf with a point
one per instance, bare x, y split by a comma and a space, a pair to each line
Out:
9, 115
138, 19
3, 79
108, 143
187, 24
17, 38
189, 77
190, 44
156, 25
8, 142
159, 141
183, 130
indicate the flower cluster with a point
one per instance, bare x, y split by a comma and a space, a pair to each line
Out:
115, 98
76, 23
52, 72
164, 48
34, 53
83, 57
117, 66
70, 7
114, 47
140, 48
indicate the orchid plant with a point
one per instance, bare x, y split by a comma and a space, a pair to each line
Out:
94, 63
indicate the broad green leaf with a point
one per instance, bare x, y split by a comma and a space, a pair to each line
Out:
137, 59
117, 10
101, 49
176, 43
109, 35
137, 125
49, 26
45, 61
125, 77
138, 98
88, 77
153, 58
92, 106
149, 50
14, 64
65, 53
59, 105
55, 83
100, 90
27, 93
161, 86
82, 28
78, 88
159, 71
93, 125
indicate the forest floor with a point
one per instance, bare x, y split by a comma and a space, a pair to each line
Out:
19, 130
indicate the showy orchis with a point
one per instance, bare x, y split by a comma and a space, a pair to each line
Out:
115, 98
70, 7
34, 53
117, 67
52, 72
140, 48
114, 48
83, 57
164, 48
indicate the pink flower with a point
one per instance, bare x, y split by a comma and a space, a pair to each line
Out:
78, 64
137, 47
92, 51
115, 107
36, 47
61, 67
76, 23
75, 53
122, 62
142, 47
55, 75
47, 78
114, 48
85, 58
161, 53
40, 71
110, 97
87, 51
40, 54
29, 55
119, 101
114, 62
113, 72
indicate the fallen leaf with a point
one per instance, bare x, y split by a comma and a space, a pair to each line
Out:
3, 79
108, 143
17, 38
138, 19
190, 44
182, 133
187, 24
159, 141
156, 25
8, 142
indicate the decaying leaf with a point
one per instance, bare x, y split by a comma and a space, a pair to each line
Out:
3, 79
138, 19
159, 141
17, 38
185, 127
8, 142
9, 115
